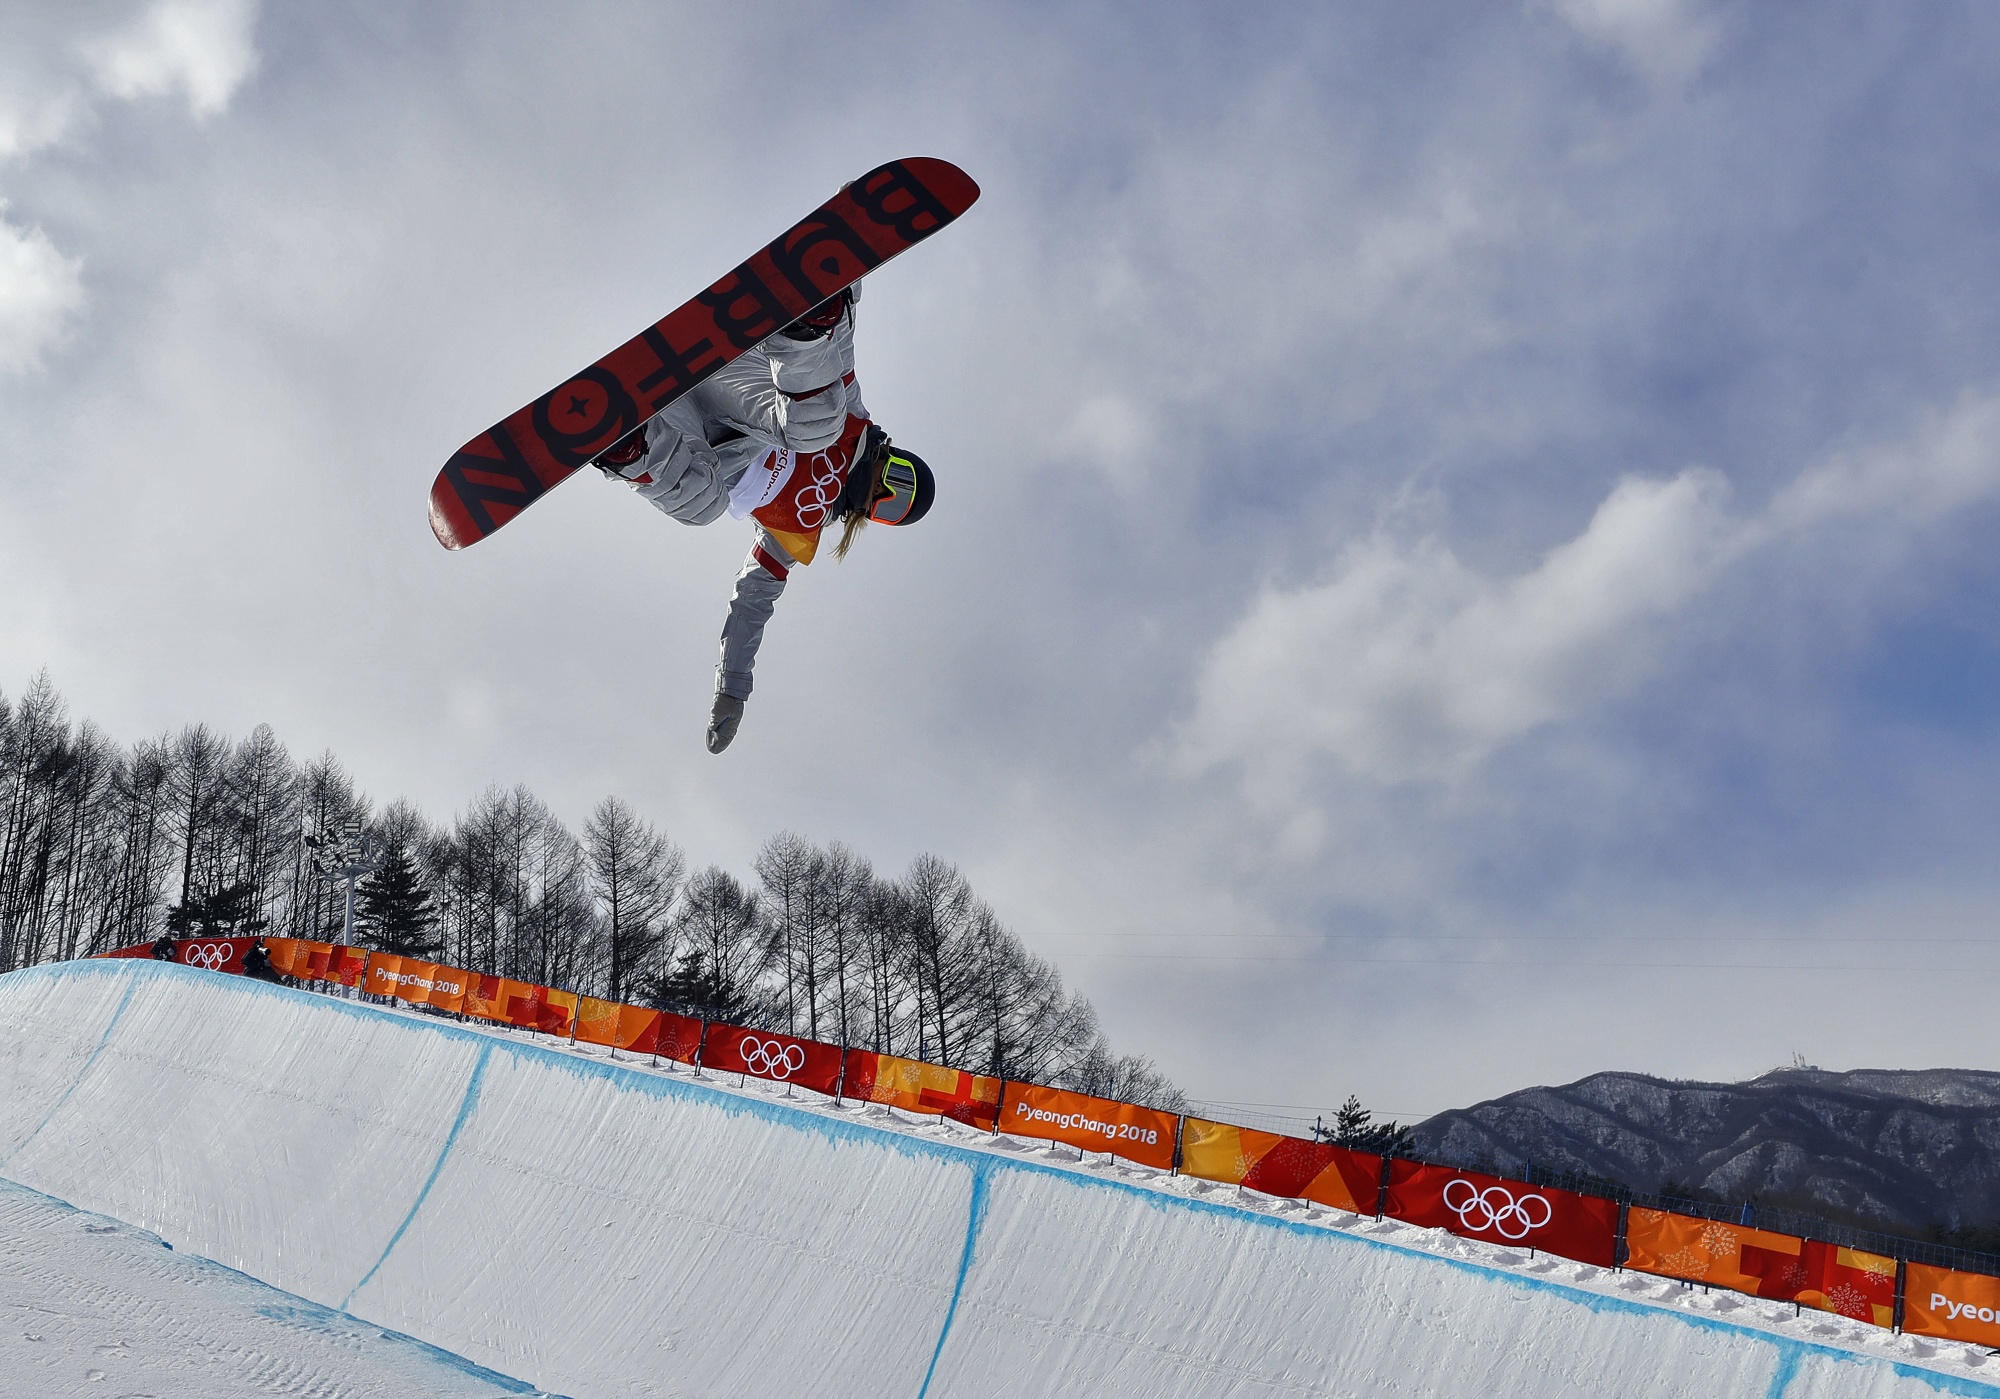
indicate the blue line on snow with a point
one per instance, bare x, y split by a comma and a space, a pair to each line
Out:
82, 1073
655, 1084
458, 1125
975, 1216
1787, 1371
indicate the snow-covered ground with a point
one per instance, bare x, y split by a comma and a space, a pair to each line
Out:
89, 1306
609, 1229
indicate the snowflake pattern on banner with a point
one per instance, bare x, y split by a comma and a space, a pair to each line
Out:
1848, 1300
1718, 1240
1686, 1263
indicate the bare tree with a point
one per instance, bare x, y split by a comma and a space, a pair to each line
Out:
484, 879
1129, 1078
637, 872
841, 883
725, 953
197, 781
939, 908
560, 928
142, 798
882, 930
262, 783
31, 767
783, 870
92, 837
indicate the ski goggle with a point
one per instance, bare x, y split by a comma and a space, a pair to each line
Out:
895, 488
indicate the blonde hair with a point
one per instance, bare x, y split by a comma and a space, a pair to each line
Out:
856, 518
852, 525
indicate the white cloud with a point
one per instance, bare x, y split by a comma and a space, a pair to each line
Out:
55, 65
1950, 461
40, 290
1667, 41
200, 48
30, 118
1408, 665
49, 77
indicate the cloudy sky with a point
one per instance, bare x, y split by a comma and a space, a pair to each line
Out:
1464, 553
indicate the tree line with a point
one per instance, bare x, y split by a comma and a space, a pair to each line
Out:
103, 846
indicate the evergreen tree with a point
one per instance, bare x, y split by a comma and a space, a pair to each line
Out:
227, 912
722, 975
698, 987
1355, 1127
395, 909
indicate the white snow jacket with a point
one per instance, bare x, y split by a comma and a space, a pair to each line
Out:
732, 443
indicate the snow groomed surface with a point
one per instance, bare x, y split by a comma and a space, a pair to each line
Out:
89, 1306
601, 1228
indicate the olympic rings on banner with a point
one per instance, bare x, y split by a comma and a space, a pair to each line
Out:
771, 1058
212, 955
1495, 1210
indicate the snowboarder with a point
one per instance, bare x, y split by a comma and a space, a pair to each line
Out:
165, 949
778, 436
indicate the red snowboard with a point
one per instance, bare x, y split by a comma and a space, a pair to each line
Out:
505, 469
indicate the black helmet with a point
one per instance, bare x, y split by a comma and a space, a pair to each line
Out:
903, 491
889, 485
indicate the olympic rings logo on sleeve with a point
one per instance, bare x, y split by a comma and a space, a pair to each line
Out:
212, 955
771, 1058
1495, 1210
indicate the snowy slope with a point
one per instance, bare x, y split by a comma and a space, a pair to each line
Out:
89, 1306
605, 1229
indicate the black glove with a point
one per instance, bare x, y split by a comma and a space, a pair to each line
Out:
723, 717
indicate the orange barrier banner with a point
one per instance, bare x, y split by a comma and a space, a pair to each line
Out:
287, 955
638, 1030
415, 980
558, 1011
521, 1002
448, 987
678, 1038
1500, 1211
485, 997
1278, 1165
597, 1022
658, 1032
738, 1049
1947, 1303
1807, 1271
137, 949
383, 970
914, 1086
346, 965
1145, 1135
311, 962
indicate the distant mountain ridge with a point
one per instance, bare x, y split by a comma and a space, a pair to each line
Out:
1912, 1149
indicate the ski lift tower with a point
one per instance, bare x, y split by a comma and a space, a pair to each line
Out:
343, 852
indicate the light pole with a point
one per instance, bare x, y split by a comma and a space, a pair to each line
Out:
345, 853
